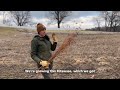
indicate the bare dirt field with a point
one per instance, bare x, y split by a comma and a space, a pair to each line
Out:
95, 55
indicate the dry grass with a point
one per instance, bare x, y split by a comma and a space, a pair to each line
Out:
99, 52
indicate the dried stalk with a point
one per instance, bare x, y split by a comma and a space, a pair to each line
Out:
67, 42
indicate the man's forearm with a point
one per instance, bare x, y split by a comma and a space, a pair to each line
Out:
35, 58
53, 46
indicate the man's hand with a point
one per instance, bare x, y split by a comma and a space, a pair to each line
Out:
44, 63
54, 37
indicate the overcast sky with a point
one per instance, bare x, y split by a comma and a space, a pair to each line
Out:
82, 19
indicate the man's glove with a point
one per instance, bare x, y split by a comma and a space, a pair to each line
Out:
54, 37
44, 63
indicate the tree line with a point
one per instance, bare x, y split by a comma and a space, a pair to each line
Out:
105, 21
22, 18
110, 21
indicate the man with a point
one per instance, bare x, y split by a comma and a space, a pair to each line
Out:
41, 48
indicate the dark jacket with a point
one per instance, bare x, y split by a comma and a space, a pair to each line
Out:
41, 48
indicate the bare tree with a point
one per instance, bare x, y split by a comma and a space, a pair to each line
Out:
20, 18
112, 19
5, 17
116, 23
104, 15
59, 16
98, 22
